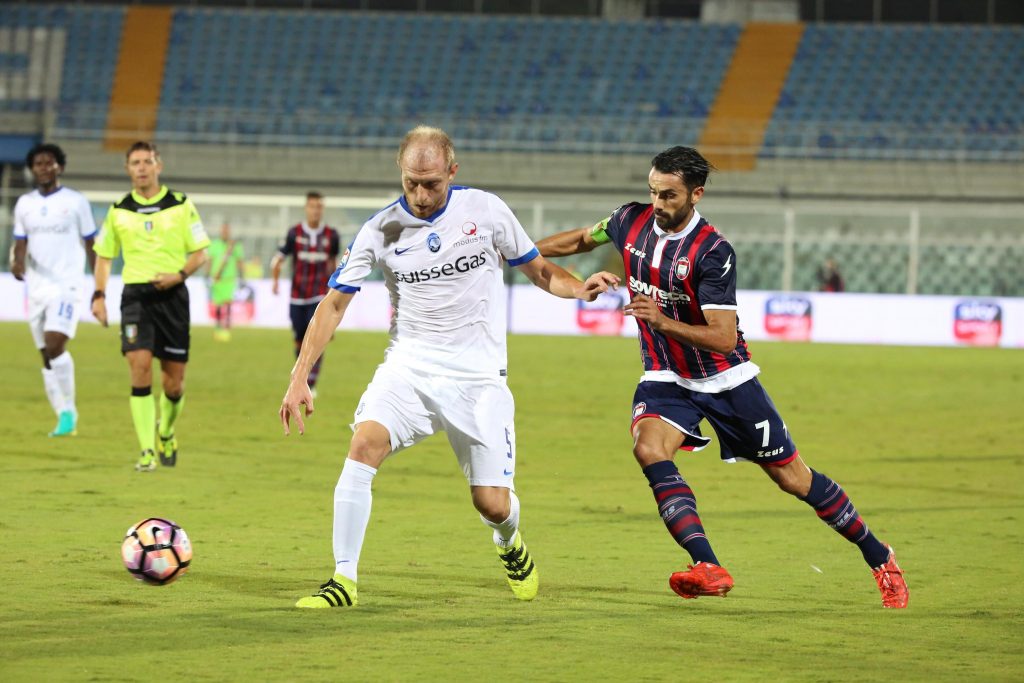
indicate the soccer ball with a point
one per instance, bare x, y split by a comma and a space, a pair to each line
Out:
156, 551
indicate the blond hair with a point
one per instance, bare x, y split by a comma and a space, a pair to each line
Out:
434, 137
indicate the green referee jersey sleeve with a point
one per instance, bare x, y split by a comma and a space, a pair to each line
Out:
153, 235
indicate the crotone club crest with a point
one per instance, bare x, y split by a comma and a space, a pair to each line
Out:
682, 268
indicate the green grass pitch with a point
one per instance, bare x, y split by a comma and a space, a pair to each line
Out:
927, 442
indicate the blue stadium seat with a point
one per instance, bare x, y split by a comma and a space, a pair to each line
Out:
535, 73
962, 81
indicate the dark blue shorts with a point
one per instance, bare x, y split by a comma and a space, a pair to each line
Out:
744, 418
301, 315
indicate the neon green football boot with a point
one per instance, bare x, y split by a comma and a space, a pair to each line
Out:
147, 461
523, 578
167, 449
339, 591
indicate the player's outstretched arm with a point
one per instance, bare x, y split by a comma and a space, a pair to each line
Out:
326, 319
567, 243
558, 281
100, 273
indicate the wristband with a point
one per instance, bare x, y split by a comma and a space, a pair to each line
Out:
98, 294
183, 274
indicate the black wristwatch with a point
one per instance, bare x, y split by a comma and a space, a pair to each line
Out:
98, 294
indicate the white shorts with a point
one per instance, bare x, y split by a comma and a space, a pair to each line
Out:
477, 415
57, 310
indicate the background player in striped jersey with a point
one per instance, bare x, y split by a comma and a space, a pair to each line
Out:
440, 248
50, 224
681, 274
314, 249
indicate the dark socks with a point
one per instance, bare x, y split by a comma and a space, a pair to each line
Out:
834, 508
678, 508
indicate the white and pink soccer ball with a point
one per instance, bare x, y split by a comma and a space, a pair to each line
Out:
156, 551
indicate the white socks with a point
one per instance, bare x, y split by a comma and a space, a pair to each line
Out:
53, 392
63, 367
59, 381
352, 499
505, 531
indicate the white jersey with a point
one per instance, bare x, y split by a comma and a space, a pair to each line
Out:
445, 278
54, 225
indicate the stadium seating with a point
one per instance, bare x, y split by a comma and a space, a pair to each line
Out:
90, 56
907, 91
505, 80
530, 83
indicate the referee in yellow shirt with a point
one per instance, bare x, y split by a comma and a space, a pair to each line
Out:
163, 242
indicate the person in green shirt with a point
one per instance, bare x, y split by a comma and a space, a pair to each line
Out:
225, 268
161, 238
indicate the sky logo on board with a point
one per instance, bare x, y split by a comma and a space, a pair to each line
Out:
788, 317
978, 323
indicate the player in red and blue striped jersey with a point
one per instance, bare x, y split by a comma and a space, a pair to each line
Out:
681, 274
313, 248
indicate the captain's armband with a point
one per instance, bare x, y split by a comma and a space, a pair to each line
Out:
599, 232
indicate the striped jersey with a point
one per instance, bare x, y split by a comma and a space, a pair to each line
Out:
685, 273
313, 254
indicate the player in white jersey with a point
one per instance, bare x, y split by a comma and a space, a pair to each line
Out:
441, 249
50, 224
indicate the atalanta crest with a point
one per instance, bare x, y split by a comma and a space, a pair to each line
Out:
434, 242
682, 268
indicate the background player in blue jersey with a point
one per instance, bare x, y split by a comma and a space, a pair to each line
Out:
681, 274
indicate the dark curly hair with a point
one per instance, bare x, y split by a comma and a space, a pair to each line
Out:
43, 148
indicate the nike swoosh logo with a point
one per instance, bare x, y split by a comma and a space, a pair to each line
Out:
399, 252
509, 474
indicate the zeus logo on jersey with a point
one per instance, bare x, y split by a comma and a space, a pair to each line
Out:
658, 294
463, 264
635, 252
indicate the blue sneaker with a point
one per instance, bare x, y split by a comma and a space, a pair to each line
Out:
67, 424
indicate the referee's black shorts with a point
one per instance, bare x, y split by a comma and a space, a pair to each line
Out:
155, 320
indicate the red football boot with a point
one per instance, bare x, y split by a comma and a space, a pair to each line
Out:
889, 578
703, 578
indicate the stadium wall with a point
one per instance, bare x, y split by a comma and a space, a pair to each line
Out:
793, 316
218, 168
